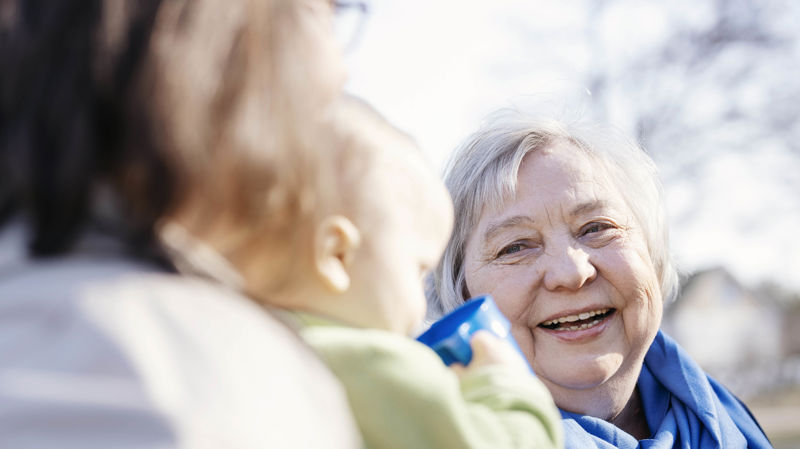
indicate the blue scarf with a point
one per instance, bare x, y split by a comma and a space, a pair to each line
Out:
684, 408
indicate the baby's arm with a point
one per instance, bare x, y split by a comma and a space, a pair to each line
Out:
404, 397
497, 369
489, 350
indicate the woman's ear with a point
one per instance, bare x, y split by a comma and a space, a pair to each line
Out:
336, 240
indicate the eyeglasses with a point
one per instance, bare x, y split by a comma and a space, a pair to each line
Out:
348, 23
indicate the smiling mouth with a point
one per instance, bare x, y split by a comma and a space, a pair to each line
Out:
581, 321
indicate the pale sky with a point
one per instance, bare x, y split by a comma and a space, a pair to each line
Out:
436, 68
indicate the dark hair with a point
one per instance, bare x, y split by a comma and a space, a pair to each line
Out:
68, 124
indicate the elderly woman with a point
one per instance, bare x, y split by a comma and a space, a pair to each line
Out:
564, 227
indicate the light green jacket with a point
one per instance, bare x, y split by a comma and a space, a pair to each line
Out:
403, 396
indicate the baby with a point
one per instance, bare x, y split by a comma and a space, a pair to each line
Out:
380, 221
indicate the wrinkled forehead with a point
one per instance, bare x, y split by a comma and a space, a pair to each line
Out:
562, 169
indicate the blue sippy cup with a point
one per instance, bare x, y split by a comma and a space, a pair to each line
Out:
449, 337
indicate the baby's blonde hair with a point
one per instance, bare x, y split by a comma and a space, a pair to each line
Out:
358, 133
336, 180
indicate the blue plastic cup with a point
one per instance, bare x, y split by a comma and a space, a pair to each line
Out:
449, 337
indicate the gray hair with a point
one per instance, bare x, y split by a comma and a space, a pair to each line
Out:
483, 171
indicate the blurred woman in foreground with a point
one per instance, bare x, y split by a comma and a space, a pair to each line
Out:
137, 138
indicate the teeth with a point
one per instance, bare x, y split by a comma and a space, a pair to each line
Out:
579, 328
573, 318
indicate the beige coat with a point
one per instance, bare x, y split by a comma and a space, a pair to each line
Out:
97, 351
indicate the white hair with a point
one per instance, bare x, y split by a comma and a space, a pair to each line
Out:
483, 171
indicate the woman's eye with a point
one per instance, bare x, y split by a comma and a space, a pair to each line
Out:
595, 227
510, 249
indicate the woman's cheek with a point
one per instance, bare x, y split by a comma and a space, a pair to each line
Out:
511, 288
524, 339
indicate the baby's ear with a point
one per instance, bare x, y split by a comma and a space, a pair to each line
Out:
335, 243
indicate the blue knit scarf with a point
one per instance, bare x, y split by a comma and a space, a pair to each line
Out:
684, 408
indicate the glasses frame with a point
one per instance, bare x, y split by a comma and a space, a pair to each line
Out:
359, 7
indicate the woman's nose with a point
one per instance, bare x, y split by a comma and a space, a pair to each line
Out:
567, 268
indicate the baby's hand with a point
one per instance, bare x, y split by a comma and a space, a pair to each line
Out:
488, 349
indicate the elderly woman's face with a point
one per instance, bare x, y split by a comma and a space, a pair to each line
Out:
567, 263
